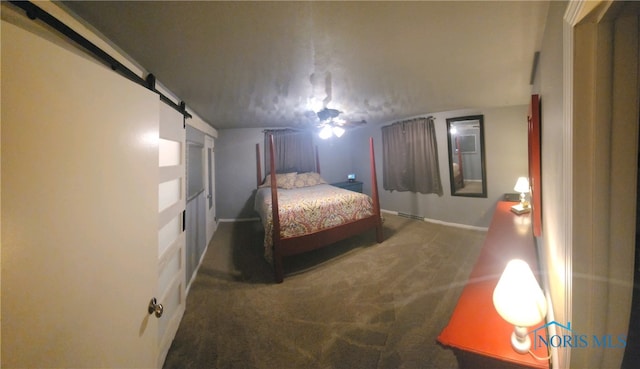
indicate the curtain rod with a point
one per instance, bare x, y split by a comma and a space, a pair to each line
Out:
34, 12
285, 129
430, 117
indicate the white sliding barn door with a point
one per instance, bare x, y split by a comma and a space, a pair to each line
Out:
79, 210
171, 237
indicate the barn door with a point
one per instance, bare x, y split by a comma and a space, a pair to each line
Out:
79, 210
171, 236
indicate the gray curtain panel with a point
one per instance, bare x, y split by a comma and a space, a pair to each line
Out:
410, 157
293, 149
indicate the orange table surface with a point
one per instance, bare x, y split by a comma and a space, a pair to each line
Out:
475, 325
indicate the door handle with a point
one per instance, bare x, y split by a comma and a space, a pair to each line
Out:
156, 308
208, 196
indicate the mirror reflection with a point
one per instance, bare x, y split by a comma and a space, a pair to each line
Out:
466, 156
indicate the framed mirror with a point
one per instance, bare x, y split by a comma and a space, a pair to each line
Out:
467, 172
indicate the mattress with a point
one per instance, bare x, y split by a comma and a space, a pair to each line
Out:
308, 210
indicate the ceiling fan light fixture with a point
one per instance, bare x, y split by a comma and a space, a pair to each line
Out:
338, 131
325, 132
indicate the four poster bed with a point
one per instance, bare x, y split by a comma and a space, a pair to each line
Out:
300, 212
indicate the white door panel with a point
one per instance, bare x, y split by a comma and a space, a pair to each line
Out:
79, 210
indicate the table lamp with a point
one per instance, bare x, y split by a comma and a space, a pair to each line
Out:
522, 186
520, 301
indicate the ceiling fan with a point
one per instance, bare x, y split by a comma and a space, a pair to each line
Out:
326, 114
329, 120
330, 123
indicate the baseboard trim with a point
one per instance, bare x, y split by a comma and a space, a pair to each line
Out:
195, 271
436, 221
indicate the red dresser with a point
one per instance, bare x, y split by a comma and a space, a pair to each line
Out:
477, 334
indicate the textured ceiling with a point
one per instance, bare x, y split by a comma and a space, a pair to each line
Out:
267, 64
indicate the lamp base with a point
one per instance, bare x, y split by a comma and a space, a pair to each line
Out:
520, 340
520, 209
521, 347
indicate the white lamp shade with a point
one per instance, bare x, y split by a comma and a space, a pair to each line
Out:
522, 185
518, 297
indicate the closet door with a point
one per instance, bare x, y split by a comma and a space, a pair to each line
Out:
210, 186
79, 210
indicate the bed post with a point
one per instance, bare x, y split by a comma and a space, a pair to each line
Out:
275, 215
317, 161
259, 173
374, 192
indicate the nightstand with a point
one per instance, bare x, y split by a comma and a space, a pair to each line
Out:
355, 186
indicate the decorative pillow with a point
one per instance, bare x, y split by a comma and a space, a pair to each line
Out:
283, 180
308, 179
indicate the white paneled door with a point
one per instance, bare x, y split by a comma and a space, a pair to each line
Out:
80, 204
171, 235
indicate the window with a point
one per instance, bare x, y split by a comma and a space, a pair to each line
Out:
293, 150
410, 157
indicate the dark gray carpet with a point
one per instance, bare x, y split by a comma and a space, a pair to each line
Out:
355, 304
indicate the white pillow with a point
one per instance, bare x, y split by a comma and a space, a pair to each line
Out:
308, 179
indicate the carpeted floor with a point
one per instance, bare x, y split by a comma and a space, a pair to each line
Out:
355, 304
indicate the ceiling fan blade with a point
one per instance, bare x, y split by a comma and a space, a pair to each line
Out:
358, 123
352, 123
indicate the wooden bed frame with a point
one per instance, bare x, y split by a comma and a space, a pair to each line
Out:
296, 245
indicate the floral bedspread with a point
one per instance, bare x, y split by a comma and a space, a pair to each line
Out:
309, 209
